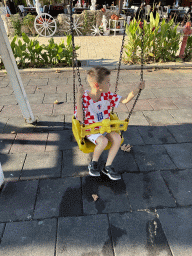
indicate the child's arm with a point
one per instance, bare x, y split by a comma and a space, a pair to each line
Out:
132, 94
79, 104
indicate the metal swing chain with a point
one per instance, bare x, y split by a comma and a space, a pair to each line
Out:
142, 63
74, 61
120, 58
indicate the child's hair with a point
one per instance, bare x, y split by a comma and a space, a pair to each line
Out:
99, 73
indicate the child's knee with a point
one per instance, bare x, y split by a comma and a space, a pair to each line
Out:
102, 140
116, 137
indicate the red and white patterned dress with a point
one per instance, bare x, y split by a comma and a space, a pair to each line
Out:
97, 111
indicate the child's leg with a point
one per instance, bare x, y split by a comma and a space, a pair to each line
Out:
102, 142
115, 139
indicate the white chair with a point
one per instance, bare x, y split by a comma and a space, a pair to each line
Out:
147, 11
112, 8
165, 12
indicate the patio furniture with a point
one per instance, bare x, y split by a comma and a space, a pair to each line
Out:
147, 11
113, 24
79, 10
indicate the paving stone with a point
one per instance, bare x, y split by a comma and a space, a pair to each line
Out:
42, 165
29, 238
147, 190
147, 94
6, 91
75, 163
123, 162
35, 98
2, 227
132, 136
138, 118
30, 89
17, 200
152, 158
89, 235
138, 234
37, 81
68, 122
3, 122
6, 141
12, 165
18, 125
161, 117
8, 100
29, 142
163, 84
50, 123
182, 102
140, 105
159, 104
10, 111
59, 197
183, 82
53, 97
180, 184
181, 154
112, 196
156, 135
45, 89
172, 92
182, 133
177, 225
60, 140
182, 115
42, 109
63, 109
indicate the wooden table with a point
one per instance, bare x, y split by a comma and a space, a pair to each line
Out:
79, 10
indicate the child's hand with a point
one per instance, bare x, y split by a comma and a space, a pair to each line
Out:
80, 92
141, 85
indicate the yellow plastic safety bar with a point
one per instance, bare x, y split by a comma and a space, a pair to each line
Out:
107, 125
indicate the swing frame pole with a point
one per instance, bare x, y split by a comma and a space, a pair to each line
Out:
14, 75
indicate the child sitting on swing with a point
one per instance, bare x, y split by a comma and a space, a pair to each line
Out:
97, 105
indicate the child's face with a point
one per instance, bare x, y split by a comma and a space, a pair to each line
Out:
105, 85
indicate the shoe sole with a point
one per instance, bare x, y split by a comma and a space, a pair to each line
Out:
92, 173
110, 176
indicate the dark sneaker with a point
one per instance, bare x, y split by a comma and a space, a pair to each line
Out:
93, 169
111, 173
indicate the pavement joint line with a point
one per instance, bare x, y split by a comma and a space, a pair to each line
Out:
22, 167
148, 210
110, 235
171, 193
111, 67
37, 193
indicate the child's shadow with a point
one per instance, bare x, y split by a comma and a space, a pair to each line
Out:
105, 188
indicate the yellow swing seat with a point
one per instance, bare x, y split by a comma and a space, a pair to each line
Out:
80, 131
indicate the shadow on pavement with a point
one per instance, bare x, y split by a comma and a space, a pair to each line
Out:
47, 178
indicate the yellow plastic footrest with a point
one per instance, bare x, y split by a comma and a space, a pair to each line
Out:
108, 126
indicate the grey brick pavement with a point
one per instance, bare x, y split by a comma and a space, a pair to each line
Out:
47, 205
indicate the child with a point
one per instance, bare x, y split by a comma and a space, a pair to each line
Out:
97, 104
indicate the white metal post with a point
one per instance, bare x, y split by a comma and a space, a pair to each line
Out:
13, 72
1, 176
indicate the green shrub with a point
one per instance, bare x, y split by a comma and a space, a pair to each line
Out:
160, 41
30, 53
28, 21
16, 23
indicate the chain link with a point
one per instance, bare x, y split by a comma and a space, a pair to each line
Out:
74, 61
120, 58
142, 62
